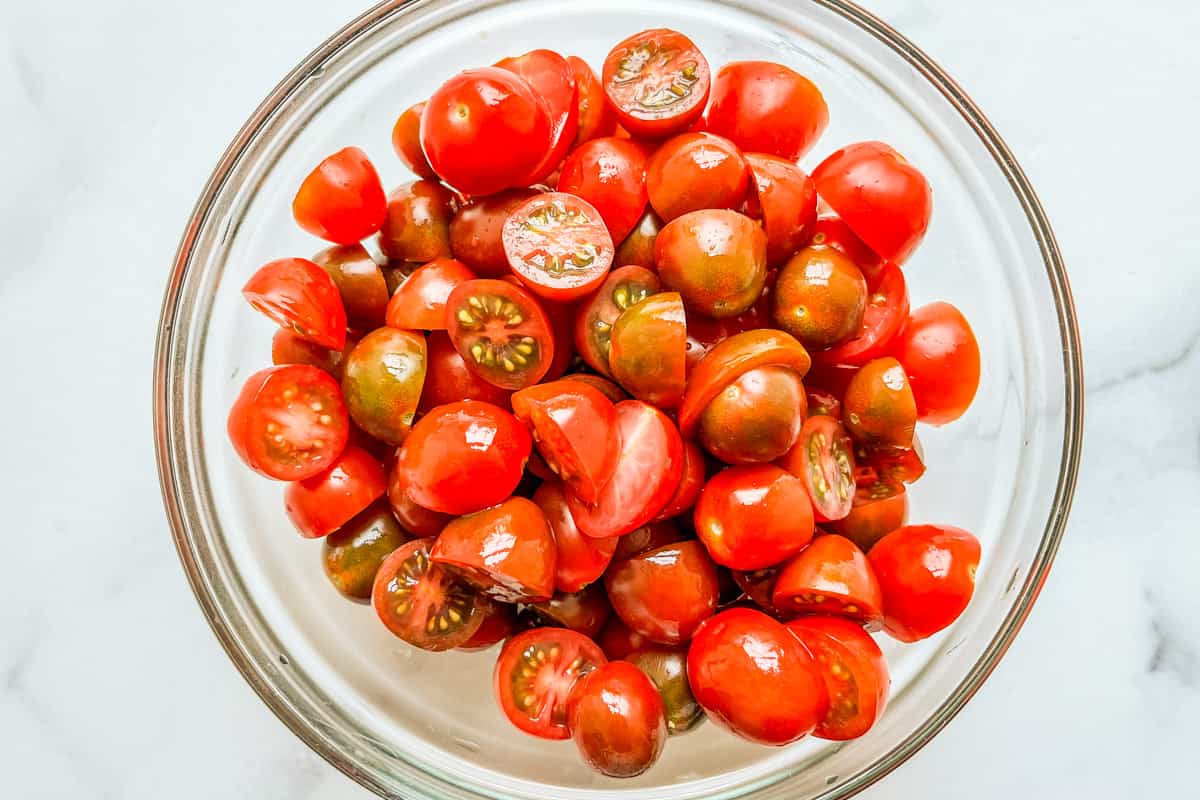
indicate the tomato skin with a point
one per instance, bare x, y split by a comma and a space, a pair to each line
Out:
506, 552
477, 232
463, 457
506, 324
820, 297
447, 379
552, 79
288, 348
879, 408
832, 231
877, 510
883, 318
715, 258
382, 381
691, 482
884, 199
889, 464
534, 676
823, 458
416, 519
417, 226
581, 559
585, 611
420, 302
941, 358
757, 417
298, 295
767, 108
622, 289
499, 622
695, 171
618, 641
927, 577
360, 283
352, 555
855, 672
638, 246
596, 117
648, 350
319, 505
618, 720
341, 200
753, 677
666, 667
754, 516
830, 576
657, 82
412, 596
558, 246
758, 586
603, 385
664, 594
822, 403
786, 199
406, 141
610, 174
647, 537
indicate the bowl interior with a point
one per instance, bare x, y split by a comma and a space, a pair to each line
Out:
418, 724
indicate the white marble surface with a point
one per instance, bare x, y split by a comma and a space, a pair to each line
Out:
111, 685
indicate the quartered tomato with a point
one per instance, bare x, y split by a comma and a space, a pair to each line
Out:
360, 283
406, 141
319, 505
535, 674
506, 551
424, 604
288, 348
501, 332
558, 245
417, 226
341, 200
927, 576
585, 611
617, 719
596, 117
658, 83
855, 673
824, 458
610, 174
786, 200
552, 79
767, 108
499, 622
352, 555
691, 483
298, 295
879, 408
883, 318
664, 594
477, 232
447, 379
695, 171
878, 510
753, 516
666, 667
941, 358
831, 576
416, 519
756, 417
820, 297
621, 290
420, 302
638, 247
382, 380
715, 258
648, 350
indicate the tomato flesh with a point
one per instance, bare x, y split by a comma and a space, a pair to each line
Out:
447, 379
855, 673
824, 458
501, 332
422, 603
535, 674
624, 288
574, 428
552, 79
558, 245
657, 81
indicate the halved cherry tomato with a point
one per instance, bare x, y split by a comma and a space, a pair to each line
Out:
351, 555
855, 672
883, 319
596, 117
664, 594
927, 576
755, 678
420, 302
878, 509
638, 247
382, 379
820, 297
406, 141
417, 226
585, 611
298, 295
416, 519
606, 387
535, 674
884, 199
618, 641
342, 199
657, 82
617, 719
832, 231
463, 457
501, 332
786, 199
581, 559
889, 464
424, 604
558, 245
691, 482
831, 576
499, 622
289, 423
694, 171
648, 350
506, 552
448, 380
879, 408
941, 358
758, 585
824, 458
767, 108
822, 403
647, 537
360, 283
648, 470
757, 417
621, 290
610, 174
477, 232
715, 258
319, 505
753, 516
552, 79
288, 348
666, 667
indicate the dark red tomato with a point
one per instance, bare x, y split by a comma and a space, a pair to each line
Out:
506, 552
477, 114
288, 348
562, 325
824, 458
941, 358
879, 409
832, 231
448, 380
535, 674
755, 418
618, 641
299, 296
664, 594
382, 380
596, 117
610, 174
657, 82
360, 283
638, 247
704, 333
574, 428
618, 720
422, 603
342, 200
289, 423
822, 403
581, 559
477, 233
420, 302
855, 673
883, 319
889, 464
603, 385
623, 289
694, 171
878, 510
666, 667
758, 585
558, 245
820, 297
406, 141
648, 350
884, 199
501, 332
647, 537
417, 520
831, 378
715, 258
927, 576
831, 576
648, 470
786, 200
584, 611
553, 80
417, 226
463, 457
351, 556
753, 516
767, 108
690, 484
499, 622
319, 505
752, 676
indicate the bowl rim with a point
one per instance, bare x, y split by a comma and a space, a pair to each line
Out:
1073, 409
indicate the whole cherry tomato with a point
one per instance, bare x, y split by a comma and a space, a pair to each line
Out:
610, 174
941, 358
352, 555
558, 245
621, 290
830, 576
690, 484
666, 667
648, 350
477, 232
879, 408
422, 603
664, 594
753, 516
319, 505
786, 200
501, 332
552, 79
596, 117
581, 559
715, 258
638, 247
341, 200
767, 108
855, 672
823, 457
535, 674
878, 509
695, 171
585, 611
417, 226
382, 380
755, 418
360, 283
420, 302
658, 82
406, 141
506, 551
820, 297
617, 720
927, 576
298, 295
417, 520
448, 380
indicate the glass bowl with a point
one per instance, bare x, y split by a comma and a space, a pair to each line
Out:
410, 724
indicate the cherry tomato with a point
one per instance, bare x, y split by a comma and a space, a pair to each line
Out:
855, 673
667, 670
558, 245
694, 171
506, 552
552, 79
420, 302
341, 200
786, 200
647, 537
463, 457
758, 585
767, 108
562, 325
477, 114
617, 719
422, 603
884, 199
753, 516
927, 576
596, 117
382, 380
618, 641
648, 350
298, 295
648, 470
351, 555
820, 297
752, 676
417, 226
396, 273
941, 358
878, 510
883, 318
879, 408
535, 674
448, 380
499, 622
584, 611
319, 505
822, 403
623, 289
657, 82
501, 332
831, 379
610, 174
417, 520
477, 233
664, 594
889, 464
831, 576
690, 484
288, 348
638, 247
406, 141
832, 231
360, 283
606, 387
755, 418
581, 559
824, 458
715, 258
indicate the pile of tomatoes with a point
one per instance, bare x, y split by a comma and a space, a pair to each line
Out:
617, 383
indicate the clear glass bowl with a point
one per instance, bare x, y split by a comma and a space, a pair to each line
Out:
417, 725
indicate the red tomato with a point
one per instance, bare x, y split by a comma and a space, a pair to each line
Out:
558, 245
786, 199
884, 199
855, 673
406, 141
420, 302
360, 283
298, 295
767, 108
463, 457
756, 418
690, 484
832, 231
758, 585
289, 423
506, 552
878, 510
422, 603
477, 114
342, 200
752, 676
657, 82
288, 348
648, 350
581, 559
927, 576
448, 380
715, 258
694, 171
889, 464
584, 611
617, 640
499, 622
501, 332
824, 457
831, 576
753, 516
648, 471
883, 318
417, 226
319, 505
477, 233
618, 720
664, 594
417, 520
879, 409
647, 537
603, 385
535, 674
596, 117
941, 358
552, 79
610, 174
382, 379
624, 288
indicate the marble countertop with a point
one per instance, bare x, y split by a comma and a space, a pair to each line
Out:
112, 686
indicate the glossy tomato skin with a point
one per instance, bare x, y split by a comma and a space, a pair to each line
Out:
422, 603
341, 200
831, 230
648, 350
420, 302
501, 331
574, 428
758, 586
610, 174
476, 114
319, 505
360, 283
618, 640
823, 457
448, 380
786, 200
753, 677
603, 385
753, 516
382, 380
855, 672
535, 674
596, 117
506, 552
820, 297
757, 417
288, 348
638, 246
618, 720
884, 199
417, 226
298, 295
415, 519
553, 81
622, 289
666, 667
831, 576
823, 403
927, 577
558, 246
657, 82
464, 457
406, 141
499, 622
664, 594
767, 108
352, 555
691, 482
477, 232
695, 171
648, 537
941, 358
877, 510
879, 408
585, 611
889, 464
883, 319
715, 258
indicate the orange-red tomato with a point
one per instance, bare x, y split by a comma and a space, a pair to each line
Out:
506, 552
695, 171
715, 258
878, 509
618, 720
657, 82
830, 576
341, 200
552, 79
786, 200
596, 117
422, 603
767, 108
406, 141
420, 302
298, 295
664, 594
319, 505
879, 408
824, 457
855, 672
753, 516
610, 174
581, 559
941, 358
558, 245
